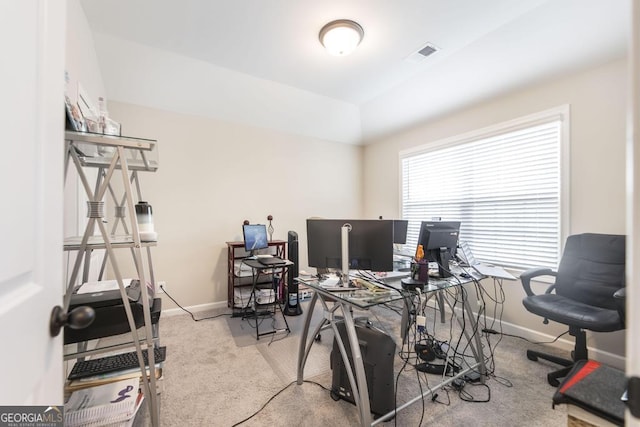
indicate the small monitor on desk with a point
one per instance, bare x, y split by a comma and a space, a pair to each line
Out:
400, 231
439, 240
255, 237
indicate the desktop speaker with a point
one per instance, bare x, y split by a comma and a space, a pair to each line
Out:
378, 350
292, 306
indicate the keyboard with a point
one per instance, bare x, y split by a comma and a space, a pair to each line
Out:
118, 362
271, 261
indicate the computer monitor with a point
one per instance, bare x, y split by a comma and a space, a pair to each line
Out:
439, 240
255, 237
370, 243
400, 231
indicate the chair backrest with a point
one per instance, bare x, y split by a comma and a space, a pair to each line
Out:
592, 268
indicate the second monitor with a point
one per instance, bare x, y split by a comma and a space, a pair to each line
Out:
439, 240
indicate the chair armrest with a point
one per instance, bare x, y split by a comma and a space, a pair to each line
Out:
620, 297
526, 277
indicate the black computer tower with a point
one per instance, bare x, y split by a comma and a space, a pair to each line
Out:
292, 297
378, 351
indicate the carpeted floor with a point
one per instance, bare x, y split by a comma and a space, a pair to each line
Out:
218, 374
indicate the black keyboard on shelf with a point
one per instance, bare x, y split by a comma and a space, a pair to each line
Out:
118, 362
271, 261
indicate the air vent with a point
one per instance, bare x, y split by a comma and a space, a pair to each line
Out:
424, 52
428, 50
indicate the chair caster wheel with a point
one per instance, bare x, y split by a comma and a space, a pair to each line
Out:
318, 338
334, 395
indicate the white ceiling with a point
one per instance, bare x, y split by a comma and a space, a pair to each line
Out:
486, 46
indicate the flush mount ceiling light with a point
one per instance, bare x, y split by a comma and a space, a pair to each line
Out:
341, 37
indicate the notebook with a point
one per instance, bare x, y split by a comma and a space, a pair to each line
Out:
484, 269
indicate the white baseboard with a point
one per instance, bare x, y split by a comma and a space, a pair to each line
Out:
194, 308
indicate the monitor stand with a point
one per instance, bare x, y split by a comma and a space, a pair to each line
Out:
412, 284
344, 273
343, 279
443, 263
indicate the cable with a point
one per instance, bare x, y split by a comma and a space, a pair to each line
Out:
468, 397
274, 396
493, 332
264, 405
190, 313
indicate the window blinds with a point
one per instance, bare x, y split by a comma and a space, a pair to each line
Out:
504, 188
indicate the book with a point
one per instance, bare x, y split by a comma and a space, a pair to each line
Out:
108, 404
108, 378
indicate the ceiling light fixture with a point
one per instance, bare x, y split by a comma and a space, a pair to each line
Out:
341, 37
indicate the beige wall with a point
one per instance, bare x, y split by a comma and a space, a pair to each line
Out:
597, 98
214, 174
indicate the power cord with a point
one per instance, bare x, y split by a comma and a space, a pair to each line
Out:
494, 332
190, 313
273, 397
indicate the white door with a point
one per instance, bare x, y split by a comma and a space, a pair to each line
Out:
32, 36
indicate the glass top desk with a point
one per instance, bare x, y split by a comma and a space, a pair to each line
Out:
363, 298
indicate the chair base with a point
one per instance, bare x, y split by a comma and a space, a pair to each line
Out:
553, 378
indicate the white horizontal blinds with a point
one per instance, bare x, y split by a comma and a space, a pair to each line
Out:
504, 188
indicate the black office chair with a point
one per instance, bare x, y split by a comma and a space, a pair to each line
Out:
589, 293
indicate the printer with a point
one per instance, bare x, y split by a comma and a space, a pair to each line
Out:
111, 317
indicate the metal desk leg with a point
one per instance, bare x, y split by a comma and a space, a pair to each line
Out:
305, 343
303, 348
476, 347
359, 383
440, 302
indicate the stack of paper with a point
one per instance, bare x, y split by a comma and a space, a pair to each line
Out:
106, 404
265, 296
242, 296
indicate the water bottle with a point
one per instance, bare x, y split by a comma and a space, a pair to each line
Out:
144, 216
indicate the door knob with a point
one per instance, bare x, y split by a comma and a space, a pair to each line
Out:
78, 318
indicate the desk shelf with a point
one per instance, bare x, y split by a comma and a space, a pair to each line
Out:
97, 242
98, 151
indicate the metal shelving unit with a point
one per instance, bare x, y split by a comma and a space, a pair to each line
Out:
113, 156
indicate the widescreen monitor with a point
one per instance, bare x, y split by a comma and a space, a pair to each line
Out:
255, 237
370, 243
439, 240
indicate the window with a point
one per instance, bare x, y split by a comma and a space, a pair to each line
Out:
504, 184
